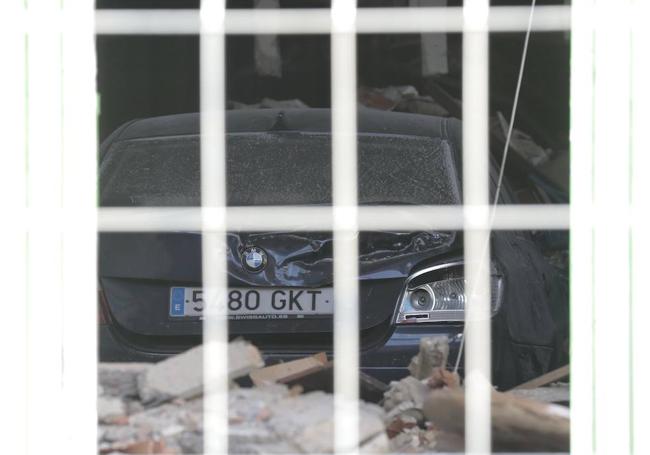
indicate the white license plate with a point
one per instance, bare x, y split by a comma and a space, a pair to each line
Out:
256, 303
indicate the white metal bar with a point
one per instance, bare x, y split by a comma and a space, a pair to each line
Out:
506, 217
44, 255
147, 22
13, 267
79, 267
344, 196
290, 21
640, 241
295, 218
611, 236
477, 242
450, 19
14, 336
581, 246
213, 194
313, 21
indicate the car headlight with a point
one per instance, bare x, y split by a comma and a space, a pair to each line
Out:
438, 294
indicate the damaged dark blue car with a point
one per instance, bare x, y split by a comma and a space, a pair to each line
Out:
280, 295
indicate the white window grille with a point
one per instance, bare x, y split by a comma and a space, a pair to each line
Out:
48, 191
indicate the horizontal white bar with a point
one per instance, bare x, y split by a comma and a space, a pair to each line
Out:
321, 218
292, 218
312, 21
450, 19
290, 21
147, 22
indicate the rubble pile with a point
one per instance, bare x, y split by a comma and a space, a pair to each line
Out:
268, 103
288, 407
275, 419
552, 164
403, 98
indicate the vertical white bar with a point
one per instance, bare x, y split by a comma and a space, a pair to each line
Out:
581, 255
13, 420
344, 198
477, 242
611, 236
640, 242
213, 195
80, 240
44, 258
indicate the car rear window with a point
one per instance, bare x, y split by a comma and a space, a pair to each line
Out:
279, 169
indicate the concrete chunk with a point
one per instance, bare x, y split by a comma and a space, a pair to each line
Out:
433, 353
109, 407
243, 358
121, 379
181, 376
267, 419
295, 424
405, 398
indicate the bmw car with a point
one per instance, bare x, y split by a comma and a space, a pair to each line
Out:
280, 284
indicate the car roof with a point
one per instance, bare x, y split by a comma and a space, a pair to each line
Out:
305, 120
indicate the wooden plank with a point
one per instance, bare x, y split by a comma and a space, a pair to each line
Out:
518, 424
287, 371
545, 379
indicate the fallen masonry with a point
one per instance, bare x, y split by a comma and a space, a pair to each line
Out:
181, 376
271, 420
158, 408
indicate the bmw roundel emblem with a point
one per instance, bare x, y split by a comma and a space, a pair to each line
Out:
254, 259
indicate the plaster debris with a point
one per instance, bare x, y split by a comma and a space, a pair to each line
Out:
523, 144
121, 379
109, 408
181, 376
294, 424
405, 398
404, 98
433, 353
421, 413
269, 103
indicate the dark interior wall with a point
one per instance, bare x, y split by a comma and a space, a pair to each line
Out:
543, 109
305, 70
143, 76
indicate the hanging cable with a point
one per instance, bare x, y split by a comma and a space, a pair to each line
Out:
504, 157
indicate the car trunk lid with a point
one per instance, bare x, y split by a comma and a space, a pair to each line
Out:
138, 270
